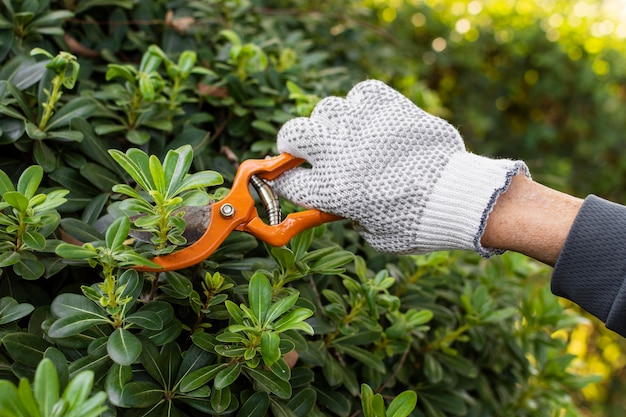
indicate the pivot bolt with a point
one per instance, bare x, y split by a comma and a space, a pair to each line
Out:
227, 210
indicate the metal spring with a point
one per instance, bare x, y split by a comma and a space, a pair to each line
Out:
269, 199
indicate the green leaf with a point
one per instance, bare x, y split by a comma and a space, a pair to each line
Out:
135, 163
117, 377
270, 350
227, 376
26, 348
402, 405
117, 233
200, 180
69, 303
332, 262
9, 258
16, 200
200, 377
294, 320
34, 241
5, 183
10, 310
99, 176
281, 369
221, 399
270, 382
25, 394
29, 268
78, 389
259, 296
74, 324
77, 108
145, 319
432, 368
175, 167
255, 406
46, 386
366, 357
235, 312
280, 307
9, 400
141, 394
29, 181
123, 347
303, 402
69, 251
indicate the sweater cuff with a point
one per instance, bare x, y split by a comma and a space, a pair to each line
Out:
456, 213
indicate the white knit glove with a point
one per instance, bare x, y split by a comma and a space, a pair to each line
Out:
400, 174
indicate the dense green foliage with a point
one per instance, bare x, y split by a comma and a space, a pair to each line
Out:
107, 106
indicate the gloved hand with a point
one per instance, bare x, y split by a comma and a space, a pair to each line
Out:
400, 174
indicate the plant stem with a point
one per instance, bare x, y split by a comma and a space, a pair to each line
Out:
53, 97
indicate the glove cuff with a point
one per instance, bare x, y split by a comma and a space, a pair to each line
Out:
456, 213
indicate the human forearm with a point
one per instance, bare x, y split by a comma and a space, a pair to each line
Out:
531, 219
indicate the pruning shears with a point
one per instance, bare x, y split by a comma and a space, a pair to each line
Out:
237, 211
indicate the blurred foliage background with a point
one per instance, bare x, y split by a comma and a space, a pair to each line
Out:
538, 80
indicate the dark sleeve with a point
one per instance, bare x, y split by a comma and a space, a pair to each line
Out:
591, 270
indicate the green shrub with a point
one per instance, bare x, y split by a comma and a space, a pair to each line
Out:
115, 115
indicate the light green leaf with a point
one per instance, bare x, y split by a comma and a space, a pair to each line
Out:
200, 180
259, 296
29, 181
402, 405
16, 200
280, 307
294, 319
135, 163
46, 386
69, 251
117, 233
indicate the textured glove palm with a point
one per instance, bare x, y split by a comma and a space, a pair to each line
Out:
400, 174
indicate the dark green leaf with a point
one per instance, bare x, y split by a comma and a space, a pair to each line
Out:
73, 324
227, 376
78, 108
270, 350
123, 347
221, 399
303, 402
10, 310
141, 394
199, 377
270, 382
25, 348
255, 406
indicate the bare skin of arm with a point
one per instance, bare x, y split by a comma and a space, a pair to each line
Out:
531, 219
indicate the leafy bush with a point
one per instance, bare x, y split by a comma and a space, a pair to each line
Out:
117, 114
